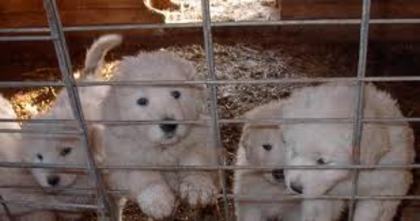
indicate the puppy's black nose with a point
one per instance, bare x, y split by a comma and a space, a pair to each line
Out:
53, 180
168, 128
296, 187
278, 175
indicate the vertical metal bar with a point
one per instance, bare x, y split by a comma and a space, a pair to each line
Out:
359, 101
217, 143
64, 61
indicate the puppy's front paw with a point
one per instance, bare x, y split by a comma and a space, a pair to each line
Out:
157, 201
198, 190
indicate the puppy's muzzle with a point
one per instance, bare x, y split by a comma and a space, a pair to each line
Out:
168, 128
53, 180
278, 175
296, 187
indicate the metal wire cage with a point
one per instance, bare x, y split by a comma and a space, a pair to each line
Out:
55, 33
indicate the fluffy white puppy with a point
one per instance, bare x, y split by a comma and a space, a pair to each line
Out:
63, 150
10, 152
261, 145
67, 150
159, 144
331, 144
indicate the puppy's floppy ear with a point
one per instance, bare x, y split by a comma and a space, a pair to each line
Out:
200, 90
190, 73
186, 68
96, 139
112, 110
244, 142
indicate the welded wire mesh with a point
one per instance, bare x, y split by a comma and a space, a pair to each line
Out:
55, 33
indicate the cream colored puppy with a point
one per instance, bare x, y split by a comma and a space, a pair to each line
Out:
165, 144
10, 151
331, 144
262, 145
67, 150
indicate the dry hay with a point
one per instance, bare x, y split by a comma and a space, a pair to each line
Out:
224, 10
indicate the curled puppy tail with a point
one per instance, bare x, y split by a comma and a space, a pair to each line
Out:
96, 53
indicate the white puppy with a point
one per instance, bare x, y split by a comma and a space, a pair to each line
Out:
10, 152
261, 145
67, 150
331, 144
159, 144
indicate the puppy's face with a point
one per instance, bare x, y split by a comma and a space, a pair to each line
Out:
161, 104
310, 145
264, 146
53, 151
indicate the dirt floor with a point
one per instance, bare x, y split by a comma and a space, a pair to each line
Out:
241, 61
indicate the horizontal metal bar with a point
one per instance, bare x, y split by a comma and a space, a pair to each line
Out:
232, 121
52, 206
239, 197
69, 168
19, 84
69, 191
65, 191
43, 132
250, 81
260, 168
272, 121
122, 123
24, 30
121, 27
26, 84
38, 121
316, 22
49, 190
282, 198
26, 38
75, 168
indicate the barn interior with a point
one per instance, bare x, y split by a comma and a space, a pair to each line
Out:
253, 40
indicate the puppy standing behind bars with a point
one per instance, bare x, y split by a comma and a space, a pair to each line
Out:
390, 143
159, 144
262, 145
67, 149
10, 151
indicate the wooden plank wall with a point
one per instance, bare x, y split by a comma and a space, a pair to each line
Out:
30, 13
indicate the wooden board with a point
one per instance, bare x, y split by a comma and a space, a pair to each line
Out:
30, 13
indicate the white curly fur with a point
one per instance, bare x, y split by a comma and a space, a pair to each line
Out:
148, 144
262, 184
10, 151
331, 144
53, 149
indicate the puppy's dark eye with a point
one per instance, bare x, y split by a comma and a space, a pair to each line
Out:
39, 156
142, 101
65, 151
321, 161
267, 147
176, 94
